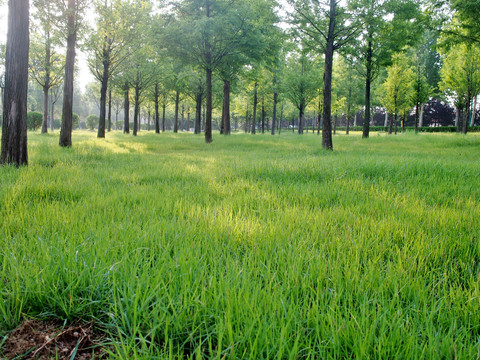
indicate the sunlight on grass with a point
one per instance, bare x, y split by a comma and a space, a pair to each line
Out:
253, 247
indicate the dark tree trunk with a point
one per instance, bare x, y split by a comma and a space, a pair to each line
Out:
67, 111
274, 115
198, 113
45, 109
157, 114
368, 83
136, 111
177, 103
417, 112
263, 117
396, 123
247, 124
109, 110
403, 123
327, 142
390, 124
103, 96
208, 80
14, 130
164, 106
182, 123
126, 126
301, 118
466, 117
255, 102
226, 107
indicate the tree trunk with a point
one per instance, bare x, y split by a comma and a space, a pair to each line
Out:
103, 96
368, 82
255, 102
403, 123
177, 104
109, 110
45, 109
301, 120
263, 117
164, 106
417, 114
390, 123
67, 111
422, 113
209, 107
335, 118
466, 117
126, 116
226, 108
457, 118
385, 124
157, 115
198, 113
247, 125
14, 130
274, 115
474, 112
136, 110
182, 123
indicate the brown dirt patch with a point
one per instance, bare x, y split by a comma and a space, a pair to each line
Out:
50, 340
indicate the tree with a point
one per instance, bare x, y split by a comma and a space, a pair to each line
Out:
14, 130
46, 65
206, 33
387, 26
328, 25
398, 87
300, 83
118, 23
461, 78
71, 11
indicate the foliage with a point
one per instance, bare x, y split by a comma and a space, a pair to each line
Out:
91, 121
34, 120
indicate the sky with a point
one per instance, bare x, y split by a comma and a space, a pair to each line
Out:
84, 76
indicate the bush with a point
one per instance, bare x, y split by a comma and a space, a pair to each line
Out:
92, 121
34, 120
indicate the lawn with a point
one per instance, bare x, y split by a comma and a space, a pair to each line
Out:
252, 247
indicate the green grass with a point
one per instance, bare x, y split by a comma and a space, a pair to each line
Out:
252, 247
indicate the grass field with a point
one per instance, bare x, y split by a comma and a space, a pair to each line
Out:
252, 247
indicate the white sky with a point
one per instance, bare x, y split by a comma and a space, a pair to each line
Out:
84, 76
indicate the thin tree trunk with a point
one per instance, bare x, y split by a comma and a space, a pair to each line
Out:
390, 123
422, 113
103, 96
226, 108
466, 117
255, 102
164, 106
301, 118
136, 110
263, 117
457, 119
474, 111
67, 111
198, 113
177, 104
157, 115
45, 109
126, 116
182, 123
274, 115
14, 129
109, 115
417, 114
368, 82
385, 124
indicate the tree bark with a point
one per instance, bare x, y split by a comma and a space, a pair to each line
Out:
126, 103
255, 102
274, 115
198, 113
45, 109
164, 106
136, 110
301, 120
474, 111
157, 115
109, 116
263, 116
177, 103
67, 111
14, 129
226, 107
103, 96
368, 83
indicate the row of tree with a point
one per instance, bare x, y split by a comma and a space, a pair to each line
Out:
333, 55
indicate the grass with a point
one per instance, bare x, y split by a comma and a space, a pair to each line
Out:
253, 247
